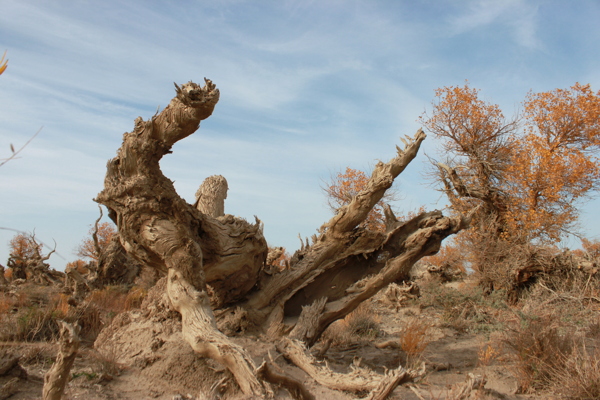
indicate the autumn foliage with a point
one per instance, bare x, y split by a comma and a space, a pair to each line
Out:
104, 234
23, 247
524, 177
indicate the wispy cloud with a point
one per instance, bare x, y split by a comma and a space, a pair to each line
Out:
307, 88
518, 17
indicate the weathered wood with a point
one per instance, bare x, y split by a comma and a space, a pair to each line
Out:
296, 389
360, 379
57, 377
198, 245
158, 228
211, 195
387, 385
199, 330
3, 280
468, 389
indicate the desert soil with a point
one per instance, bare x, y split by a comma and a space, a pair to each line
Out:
145, 358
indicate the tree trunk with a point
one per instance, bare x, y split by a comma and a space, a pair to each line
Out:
160, 229
3, 280
57, 377
200, 246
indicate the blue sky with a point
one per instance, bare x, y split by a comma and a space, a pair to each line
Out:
307, 88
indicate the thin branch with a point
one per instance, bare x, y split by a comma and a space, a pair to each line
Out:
95, 234
15, 153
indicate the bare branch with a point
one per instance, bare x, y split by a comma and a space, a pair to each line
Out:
15, 153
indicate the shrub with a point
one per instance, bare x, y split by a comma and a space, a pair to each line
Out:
363, 322
540, 348
487, 354
579, 374
414, 339
467, 309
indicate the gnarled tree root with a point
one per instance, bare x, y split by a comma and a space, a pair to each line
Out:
360, 379
200, 331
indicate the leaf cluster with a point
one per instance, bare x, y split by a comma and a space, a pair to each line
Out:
527, 174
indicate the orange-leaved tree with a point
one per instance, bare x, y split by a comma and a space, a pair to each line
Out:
556, 164
23, 247
345, 185
101, 236
525, 175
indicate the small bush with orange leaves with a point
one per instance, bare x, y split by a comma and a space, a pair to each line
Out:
414, 339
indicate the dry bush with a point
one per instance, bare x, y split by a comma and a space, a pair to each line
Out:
579, 374
6, 304
557, 336
541, 346
117, 299
34, 323
89, 318
363, 322
414, 339
555, 358
135, 297
104, 362
30, 314
465, 309
33, 312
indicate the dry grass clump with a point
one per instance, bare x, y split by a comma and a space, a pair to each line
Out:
540, 348
414, 339
467, 309
104, 362
361, 323
555, 356
113, 300
31, 313
579, 375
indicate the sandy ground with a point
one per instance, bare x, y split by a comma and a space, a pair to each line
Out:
137, 358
